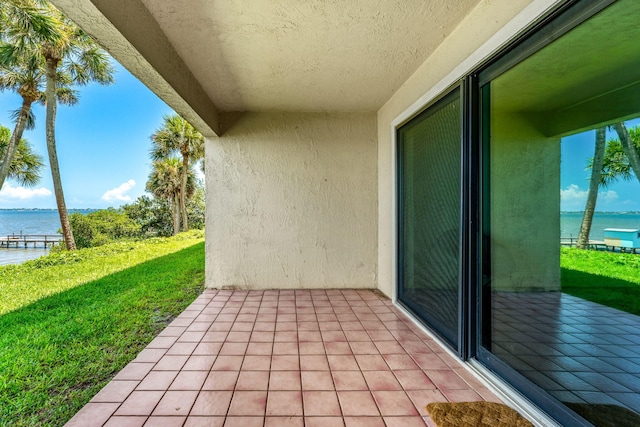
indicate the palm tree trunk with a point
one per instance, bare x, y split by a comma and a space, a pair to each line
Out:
21, 124
594, 185
53, 155
629, 148
183, 192
175, 205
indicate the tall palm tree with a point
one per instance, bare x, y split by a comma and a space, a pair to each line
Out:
177, 136
26, 164
629, 147
79, 57
612, 160
594, 185
24, 75
165, 182
23, 26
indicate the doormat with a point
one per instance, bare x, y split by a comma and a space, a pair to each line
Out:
603, 415
475, 414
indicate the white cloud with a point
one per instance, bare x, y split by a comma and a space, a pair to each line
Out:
608, 196
574, 199
21, 193
119, 193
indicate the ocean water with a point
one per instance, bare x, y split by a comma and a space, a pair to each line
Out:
46, 221
570, 223
41, 221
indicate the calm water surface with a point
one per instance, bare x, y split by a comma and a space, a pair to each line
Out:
28, 222
570, 223
48, 222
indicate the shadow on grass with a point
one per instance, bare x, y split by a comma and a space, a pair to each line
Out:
608, 291
56, 353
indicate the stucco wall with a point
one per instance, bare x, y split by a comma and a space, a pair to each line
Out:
490, 25
291, 202
524, 206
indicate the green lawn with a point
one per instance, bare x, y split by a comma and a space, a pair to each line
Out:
69, 322
611, 279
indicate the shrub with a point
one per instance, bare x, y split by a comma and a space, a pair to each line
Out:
103, 226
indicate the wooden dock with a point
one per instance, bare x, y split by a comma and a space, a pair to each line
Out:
30, 240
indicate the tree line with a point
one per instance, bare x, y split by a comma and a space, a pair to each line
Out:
44, 58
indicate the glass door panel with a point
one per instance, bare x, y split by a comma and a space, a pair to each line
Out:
429, 166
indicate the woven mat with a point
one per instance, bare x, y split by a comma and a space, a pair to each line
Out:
475, 414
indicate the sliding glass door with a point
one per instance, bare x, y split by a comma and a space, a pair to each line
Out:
429, 170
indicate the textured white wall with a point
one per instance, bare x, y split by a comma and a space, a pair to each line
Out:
292, 202
524, 205
482, 32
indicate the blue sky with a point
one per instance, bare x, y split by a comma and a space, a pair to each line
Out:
574, 177
103, 145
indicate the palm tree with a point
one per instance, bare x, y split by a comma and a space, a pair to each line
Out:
165, 182
177, 136
612, 161
25, 76
23, 27
629, 146
80, 58
26, 164
594, 184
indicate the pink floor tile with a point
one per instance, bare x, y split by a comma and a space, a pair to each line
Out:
314, 362
284, 380
286, 421
284, 403
381, 380
194, 421
317, 380
368, 421
221, 380
115, 391
135, 371
212, 403
285, 358
283, 362
199, 363
131, 421
163, 421
357, 403
253, 380
93, 413
324, 403
371, 362
252, 403
323, 422
189, 380
140, 403
176, 403
313, 347
394, 403
157, 380
414, 380
242, 421
404, 421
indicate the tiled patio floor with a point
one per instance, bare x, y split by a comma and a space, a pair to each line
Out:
284, 358
577, 350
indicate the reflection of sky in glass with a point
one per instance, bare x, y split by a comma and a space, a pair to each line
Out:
574, 177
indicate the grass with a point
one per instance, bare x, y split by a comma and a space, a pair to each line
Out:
611, 279
71, 321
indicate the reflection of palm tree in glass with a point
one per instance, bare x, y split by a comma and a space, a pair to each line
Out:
612, 160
